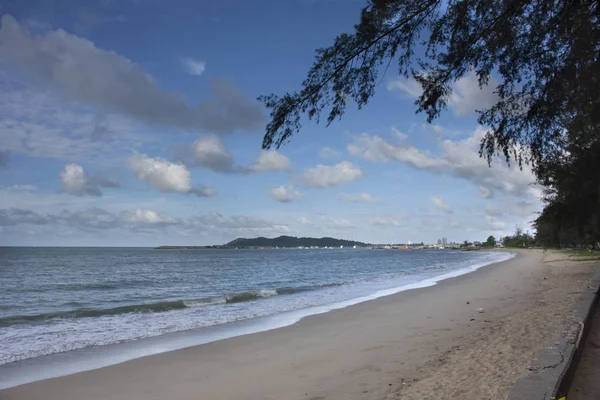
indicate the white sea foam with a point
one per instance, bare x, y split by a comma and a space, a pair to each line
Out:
205, 302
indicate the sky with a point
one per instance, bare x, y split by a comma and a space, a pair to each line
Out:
135, 123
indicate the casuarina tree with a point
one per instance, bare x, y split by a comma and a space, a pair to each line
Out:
544, 56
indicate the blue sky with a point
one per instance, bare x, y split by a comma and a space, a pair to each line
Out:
134, 123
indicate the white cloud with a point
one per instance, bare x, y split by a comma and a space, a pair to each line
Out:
17, 216
147, 217
210, 152
270, 160
358, 198
437, 128
235, 225
75, 181
161, 174
102, 78
376, 149
512, 208
409, 86
458, 158
90, 219
97, 219
328, 152
303, 221
204, 191
194, 67
439, 203
325, 224
325, 176
19, 188
463, 159
384, 221
466, 96
285, 194
329, 223
37, 124
536, 191
399, 135
485, 192
165, 176
494, 223
47, 200
473, 225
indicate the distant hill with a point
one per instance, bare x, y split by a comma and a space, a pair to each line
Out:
291, 241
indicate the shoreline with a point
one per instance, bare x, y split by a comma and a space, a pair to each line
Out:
90, 358
348, 352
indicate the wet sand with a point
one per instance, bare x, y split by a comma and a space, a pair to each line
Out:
428, 343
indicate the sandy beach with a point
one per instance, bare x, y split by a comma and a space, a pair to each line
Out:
428, 343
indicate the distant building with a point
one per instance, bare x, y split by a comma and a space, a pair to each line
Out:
409, 242
444, 241
439, 242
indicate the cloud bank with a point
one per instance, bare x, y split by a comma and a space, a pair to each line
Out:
142, 219
103, 78
457, 158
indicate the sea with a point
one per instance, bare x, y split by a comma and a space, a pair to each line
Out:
64, 310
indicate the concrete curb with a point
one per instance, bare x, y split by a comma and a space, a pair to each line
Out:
555, 364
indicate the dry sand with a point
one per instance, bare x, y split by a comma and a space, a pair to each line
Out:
428, 343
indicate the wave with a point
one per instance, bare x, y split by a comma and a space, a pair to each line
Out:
364, 279
249, 296
85, 313
165, 306
162, 306
294, 290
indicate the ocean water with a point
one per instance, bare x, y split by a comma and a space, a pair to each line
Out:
55, 300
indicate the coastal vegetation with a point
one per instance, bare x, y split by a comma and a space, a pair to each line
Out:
541, 56
519, 239
291, 241
280, 241
490, 242
582, 254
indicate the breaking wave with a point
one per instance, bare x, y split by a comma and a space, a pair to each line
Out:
162, 306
